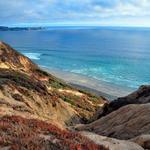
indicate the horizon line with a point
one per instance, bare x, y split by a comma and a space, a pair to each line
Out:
73, 25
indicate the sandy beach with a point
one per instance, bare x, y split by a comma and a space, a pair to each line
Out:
98, 87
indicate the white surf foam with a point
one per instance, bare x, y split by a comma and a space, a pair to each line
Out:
35, 56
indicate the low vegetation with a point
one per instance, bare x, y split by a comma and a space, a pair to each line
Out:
19, 133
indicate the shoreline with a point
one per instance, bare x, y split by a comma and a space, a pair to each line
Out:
98, 87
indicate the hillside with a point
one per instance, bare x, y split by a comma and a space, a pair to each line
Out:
26, 90
36, 105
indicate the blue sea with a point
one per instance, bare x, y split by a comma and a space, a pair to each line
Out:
119, 56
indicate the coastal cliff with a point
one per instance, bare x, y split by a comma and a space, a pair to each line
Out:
125, 118
36, 105
30, 91
40, 111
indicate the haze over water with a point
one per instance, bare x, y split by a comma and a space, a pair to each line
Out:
120, 56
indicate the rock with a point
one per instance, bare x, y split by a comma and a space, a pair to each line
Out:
125, 123
142, 140
111, 143
141, 96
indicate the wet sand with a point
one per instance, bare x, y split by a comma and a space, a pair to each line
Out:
98, 87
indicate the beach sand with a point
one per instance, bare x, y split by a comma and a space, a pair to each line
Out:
95, 86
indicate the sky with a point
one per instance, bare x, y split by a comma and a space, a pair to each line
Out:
75, 12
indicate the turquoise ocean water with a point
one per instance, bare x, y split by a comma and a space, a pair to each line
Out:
119, 56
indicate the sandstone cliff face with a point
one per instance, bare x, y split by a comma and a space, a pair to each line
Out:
125, 123
124, 118
11, 59
141, 96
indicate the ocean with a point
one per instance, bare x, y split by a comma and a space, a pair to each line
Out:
119, 56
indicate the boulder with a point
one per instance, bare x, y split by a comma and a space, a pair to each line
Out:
142, 140
111, 143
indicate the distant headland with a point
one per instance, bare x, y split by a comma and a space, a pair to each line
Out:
5, 28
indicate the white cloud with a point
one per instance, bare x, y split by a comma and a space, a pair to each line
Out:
49, 11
